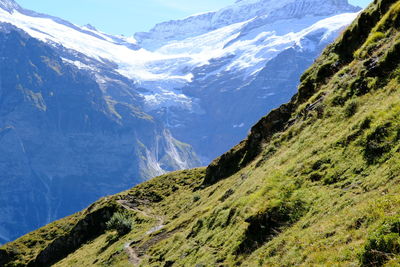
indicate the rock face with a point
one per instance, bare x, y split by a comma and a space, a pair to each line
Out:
63, 142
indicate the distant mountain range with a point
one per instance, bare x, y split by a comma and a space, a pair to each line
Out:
84, 114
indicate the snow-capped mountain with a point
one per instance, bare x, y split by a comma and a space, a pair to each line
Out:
242, 60
241, 11
100, 112
162, 61
9, 5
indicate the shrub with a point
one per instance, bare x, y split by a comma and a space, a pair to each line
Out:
265, 225
227, 194
333, 178
316, 176
339, 100
366, 123
196, 229
196, 198
112, 238
383, 244
376, 144
319, 164
350, 109
121, 223
358, 87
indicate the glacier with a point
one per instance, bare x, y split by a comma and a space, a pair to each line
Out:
252, 32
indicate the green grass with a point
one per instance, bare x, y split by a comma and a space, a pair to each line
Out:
27, 248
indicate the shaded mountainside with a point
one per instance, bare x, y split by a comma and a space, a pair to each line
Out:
234, 107
316, 183
62, 138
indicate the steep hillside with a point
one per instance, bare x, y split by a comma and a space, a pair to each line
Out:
316, 183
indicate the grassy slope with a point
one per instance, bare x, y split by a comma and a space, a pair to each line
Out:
325, 191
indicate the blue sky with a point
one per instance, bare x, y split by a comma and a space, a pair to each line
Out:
127, 16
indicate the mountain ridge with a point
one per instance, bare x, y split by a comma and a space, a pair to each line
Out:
243, 11
9, 5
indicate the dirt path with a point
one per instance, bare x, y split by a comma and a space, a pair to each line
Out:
133, 257
136, 252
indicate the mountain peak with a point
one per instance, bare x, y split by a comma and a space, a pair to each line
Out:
9, 5
246, 2
91, 27
268, 6
241, 11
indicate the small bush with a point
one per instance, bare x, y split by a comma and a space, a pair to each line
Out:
339, 100
333, 178
121, 223
196, 229
265, 225
366, 123
383, 245
358, 87
376, 144
350, 109
227, 194
316, 176
319, 164
196, 198
112, 238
